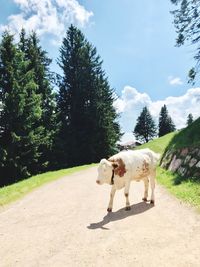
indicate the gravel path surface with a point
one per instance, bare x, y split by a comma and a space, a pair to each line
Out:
65, 223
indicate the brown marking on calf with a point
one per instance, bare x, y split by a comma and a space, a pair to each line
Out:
119, 166
126, 194
145, 166
144, 170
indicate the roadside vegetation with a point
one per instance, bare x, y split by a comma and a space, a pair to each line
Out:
18, 190
190, 136
46, 118
159, 144
186, 190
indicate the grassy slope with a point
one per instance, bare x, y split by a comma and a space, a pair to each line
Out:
158, 145
189, 136
188, 191
13, 192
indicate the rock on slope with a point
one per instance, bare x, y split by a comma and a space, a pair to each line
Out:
182, 155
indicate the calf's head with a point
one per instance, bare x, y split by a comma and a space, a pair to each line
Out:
105, 171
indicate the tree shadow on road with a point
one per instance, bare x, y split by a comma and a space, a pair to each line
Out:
120, 215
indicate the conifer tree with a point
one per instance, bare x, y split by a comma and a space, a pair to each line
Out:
145, 128
39, 65
20, 135
186, 21
88, 126
166, 124
189, 119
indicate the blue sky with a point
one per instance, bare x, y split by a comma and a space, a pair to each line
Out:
137, 42
135, 39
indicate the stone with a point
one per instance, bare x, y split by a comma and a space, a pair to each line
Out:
163, 165
184, 151
193, 161
166, 159
182, 171
175, 164
187, 159
198, 165
168, 153
196, 150
184, 161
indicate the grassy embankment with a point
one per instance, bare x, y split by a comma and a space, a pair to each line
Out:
187, 190
15, 191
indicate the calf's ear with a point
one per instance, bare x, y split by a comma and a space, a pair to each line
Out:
115, 165
104, 161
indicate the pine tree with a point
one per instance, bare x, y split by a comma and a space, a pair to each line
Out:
39, 64
20, 136
186, 21
88, 127
166, 124
189, 119
145, 128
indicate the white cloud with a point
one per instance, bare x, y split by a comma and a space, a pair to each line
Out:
47, 17
131, 97
175, 80
131, 102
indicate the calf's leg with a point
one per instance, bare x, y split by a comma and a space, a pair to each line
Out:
152, 182
112, 194
126, 193
146, 188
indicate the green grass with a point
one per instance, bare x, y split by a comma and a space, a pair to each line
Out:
18, 190
185, 190
188, 137
188, 191
158, 145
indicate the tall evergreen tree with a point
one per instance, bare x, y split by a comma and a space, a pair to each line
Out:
189, 119
20, 135
88, 127
186, 21
166, 124
39, 65
145, 128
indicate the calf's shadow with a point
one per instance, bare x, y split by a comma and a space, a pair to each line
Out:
121, 214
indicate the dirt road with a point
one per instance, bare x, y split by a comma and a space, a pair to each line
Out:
65, 223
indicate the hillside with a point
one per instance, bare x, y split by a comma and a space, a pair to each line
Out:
187, 187
188, 137
159, 144
182, 154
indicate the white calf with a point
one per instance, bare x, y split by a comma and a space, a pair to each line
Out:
126, 166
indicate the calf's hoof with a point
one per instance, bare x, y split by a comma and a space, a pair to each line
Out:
144, 199
127, 208
109, 209
152, 202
